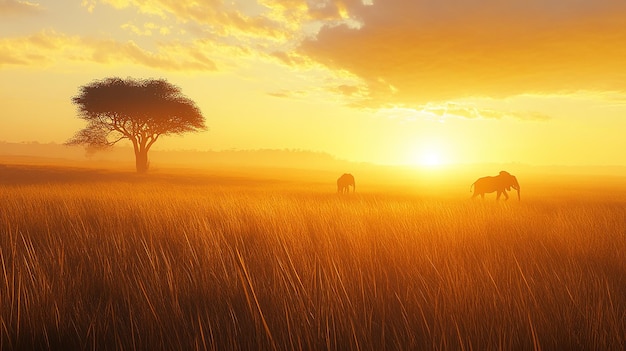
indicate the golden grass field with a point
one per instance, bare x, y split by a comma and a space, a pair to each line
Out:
105, 260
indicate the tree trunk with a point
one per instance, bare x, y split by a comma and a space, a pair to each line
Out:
141, 160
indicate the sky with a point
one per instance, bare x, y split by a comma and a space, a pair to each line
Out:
421, 82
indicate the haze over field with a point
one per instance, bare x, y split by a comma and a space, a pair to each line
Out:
392, 82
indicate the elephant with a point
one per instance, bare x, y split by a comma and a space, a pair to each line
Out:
344, 182
500, 183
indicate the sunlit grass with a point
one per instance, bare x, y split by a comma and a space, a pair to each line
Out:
158, 265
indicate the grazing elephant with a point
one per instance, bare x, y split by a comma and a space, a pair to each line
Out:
344, 182
500, 183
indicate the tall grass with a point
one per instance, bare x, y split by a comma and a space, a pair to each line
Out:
117, 265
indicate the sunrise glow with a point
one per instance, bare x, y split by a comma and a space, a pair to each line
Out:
430, 159
358, 80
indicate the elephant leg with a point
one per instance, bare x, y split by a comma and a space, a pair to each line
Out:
503, 192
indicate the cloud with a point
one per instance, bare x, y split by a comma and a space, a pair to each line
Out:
148, 29
223, 18
413, 52
280, 94
442, 112
18, 8
240, 32
32, 50
469, 110
48, 47
171, 57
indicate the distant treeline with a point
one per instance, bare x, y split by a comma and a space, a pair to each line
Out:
282, 158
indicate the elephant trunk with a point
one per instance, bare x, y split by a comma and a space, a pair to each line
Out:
517, 187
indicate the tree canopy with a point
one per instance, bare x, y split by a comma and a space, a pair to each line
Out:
140, 110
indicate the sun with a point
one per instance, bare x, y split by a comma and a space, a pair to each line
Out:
429, 154
430, 158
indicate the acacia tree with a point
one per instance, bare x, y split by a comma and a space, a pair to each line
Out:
140, 110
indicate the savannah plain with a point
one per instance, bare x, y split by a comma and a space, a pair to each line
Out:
233, 260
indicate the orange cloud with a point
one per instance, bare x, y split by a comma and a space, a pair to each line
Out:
465, 110
18, 8
223, 19
48, 47
413, 52
32, 50
148, 29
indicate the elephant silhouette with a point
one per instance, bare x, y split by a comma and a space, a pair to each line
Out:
500, 183
344, 182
